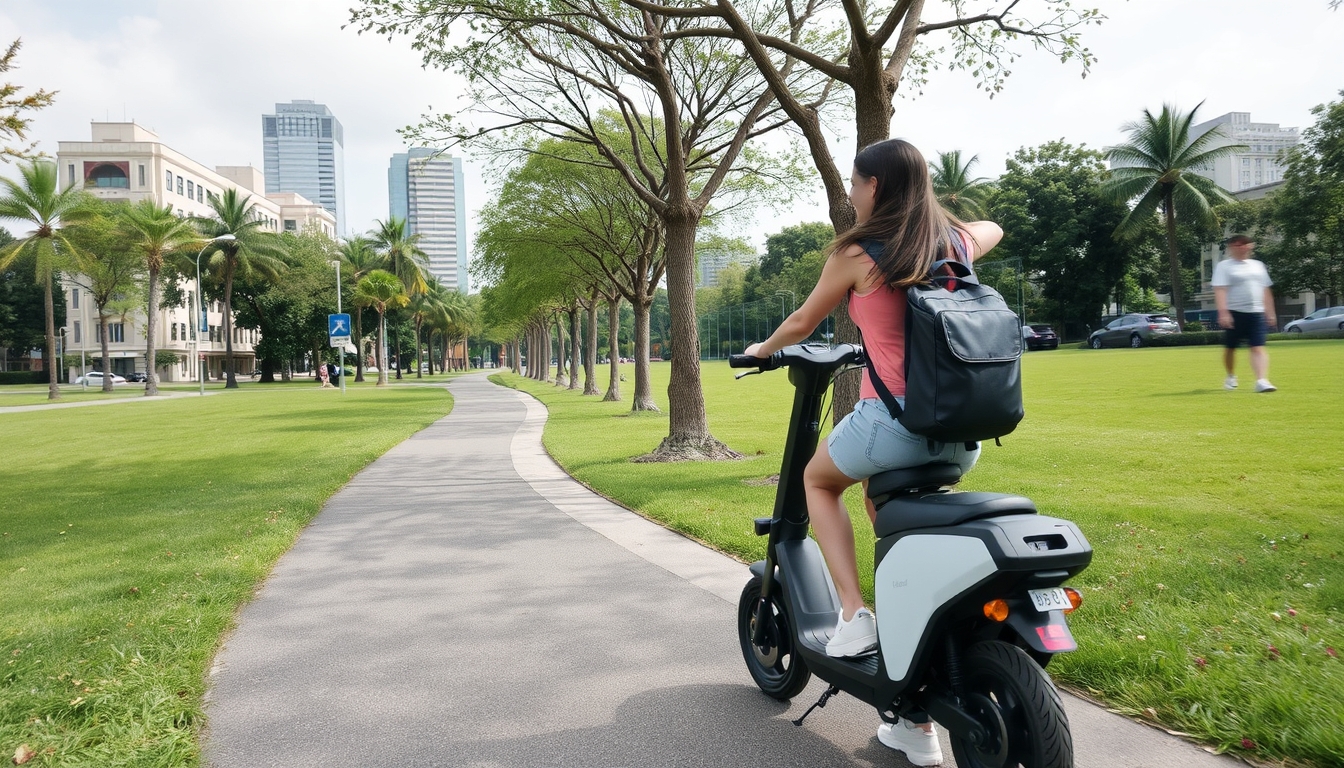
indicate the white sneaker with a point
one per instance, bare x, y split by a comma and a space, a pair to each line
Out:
920, 748
1263, 385
1230, 382
855, 637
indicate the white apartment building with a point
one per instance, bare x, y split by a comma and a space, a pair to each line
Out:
125, 161
1259, 164
425, 188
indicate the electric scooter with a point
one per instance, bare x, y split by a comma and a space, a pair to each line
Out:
969, 590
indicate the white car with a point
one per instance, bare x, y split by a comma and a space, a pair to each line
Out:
1328, 319
95, 378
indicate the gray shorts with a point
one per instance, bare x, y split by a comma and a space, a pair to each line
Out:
869, 441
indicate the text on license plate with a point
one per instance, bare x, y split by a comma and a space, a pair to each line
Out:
1052, 599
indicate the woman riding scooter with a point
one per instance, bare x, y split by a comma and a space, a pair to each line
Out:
901, 231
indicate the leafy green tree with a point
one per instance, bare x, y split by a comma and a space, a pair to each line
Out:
253, 250
290, 315
792, 243
1308, 212
1157, 166
963, 195
21, 316
35, 199
154, 231
13, 105
107, 266
1059, 222
401, 252
381, 290
358, 258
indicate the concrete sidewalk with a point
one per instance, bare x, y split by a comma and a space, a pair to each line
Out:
463, 602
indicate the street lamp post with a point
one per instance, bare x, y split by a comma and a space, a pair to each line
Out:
201, 325
337, 264
792, 296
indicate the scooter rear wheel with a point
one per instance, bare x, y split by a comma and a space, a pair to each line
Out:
775, 665
1024, 708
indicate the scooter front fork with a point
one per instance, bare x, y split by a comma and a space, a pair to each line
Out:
759, 636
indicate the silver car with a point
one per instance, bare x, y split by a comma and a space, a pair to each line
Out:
1328, 319
1132, 331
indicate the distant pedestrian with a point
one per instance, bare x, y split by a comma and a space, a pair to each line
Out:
322, 374
1241, 290
333, 373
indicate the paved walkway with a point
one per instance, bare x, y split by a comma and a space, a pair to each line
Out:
138, 397
462, 602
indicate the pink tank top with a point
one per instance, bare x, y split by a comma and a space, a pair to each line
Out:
880, 316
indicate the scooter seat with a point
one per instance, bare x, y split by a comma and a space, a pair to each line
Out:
924, 476
943, 508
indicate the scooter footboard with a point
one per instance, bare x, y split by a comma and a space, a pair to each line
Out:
811, 591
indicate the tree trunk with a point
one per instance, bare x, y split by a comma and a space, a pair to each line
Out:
103, 345
419, 361
590, 351
53, 376
516, 350
379, 355
643, 397
230, 381
688, 435
613, 394
151, 327
1174, 259
559, 351
267, 371
399, 359
574, 347
359, 344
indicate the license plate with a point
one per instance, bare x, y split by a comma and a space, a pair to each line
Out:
1053, 599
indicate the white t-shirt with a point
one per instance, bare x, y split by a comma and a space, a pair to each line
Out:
1245, 281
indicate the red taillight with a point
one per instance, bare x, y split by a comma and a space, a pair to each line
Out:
1056, 637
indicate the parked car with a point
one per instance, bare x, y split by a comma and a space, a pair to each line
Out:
1040, 337
1328, 319
1132, 330
95, 378
137, 376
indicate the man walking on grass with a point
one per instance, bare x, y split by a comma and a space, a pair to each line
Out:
1245, 308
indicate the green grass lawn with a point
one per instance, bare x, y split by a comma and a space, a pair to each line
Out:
131, 534
1215, 601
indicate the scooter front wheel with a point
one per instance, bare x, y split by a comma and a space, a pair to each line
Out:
1019, 704
774, 664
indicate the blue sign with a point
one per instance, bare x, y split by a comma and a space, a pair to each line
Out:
338, 325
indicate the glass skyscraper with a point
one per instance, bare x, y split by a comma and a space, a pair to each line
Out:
304, 152
424, 187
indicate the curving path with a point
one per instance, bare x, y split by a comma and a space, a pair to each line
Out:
462, 602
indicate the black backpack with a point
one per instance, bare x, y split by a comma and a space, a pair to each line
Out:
963, 357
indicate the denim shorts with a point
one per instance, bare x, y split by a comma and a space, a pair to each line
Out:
869, 441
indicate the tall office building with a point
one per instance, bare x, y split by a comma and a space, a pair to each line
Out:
1261, 162
424, 187
304, 153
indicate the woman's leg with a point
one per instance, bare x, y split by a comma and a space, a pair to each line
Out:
824, 484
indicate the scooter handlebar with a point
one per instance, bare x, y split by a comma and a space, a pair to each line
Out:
750, 361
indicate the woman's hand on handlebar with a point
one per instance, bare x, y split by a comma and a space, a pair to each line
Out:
754, 350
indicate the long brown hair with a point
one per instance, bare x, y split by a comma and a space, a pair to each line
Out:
907, 219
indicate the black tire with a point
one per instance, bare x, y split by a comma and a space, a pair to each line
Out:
1096, 342
1295, 329
1341, 326
776, 666
1034, 731
1135, 341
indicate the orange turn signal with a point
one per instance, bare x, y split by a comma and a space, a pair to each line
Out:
996, 610
1075, 599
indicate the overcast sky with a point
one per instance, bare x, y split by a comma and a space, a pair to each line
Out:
200, 74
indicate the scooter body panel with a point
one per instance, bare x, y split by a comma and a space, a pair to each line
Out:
920, 574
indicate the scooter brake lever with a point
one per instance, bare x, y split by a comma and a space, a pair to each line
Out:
747, 373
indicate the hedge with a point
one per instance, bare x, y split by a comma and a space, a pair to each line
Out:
23, 377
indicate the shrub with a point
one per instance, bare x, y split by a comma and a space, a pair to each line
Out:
23, 377
1194, 326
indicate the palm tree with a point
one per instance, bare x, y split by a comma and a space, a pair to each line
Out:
252, 249
423, 306
452, 321
401, 253
359, 259
963, 196
1157, 166
36, 199
381, 290
155, 232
